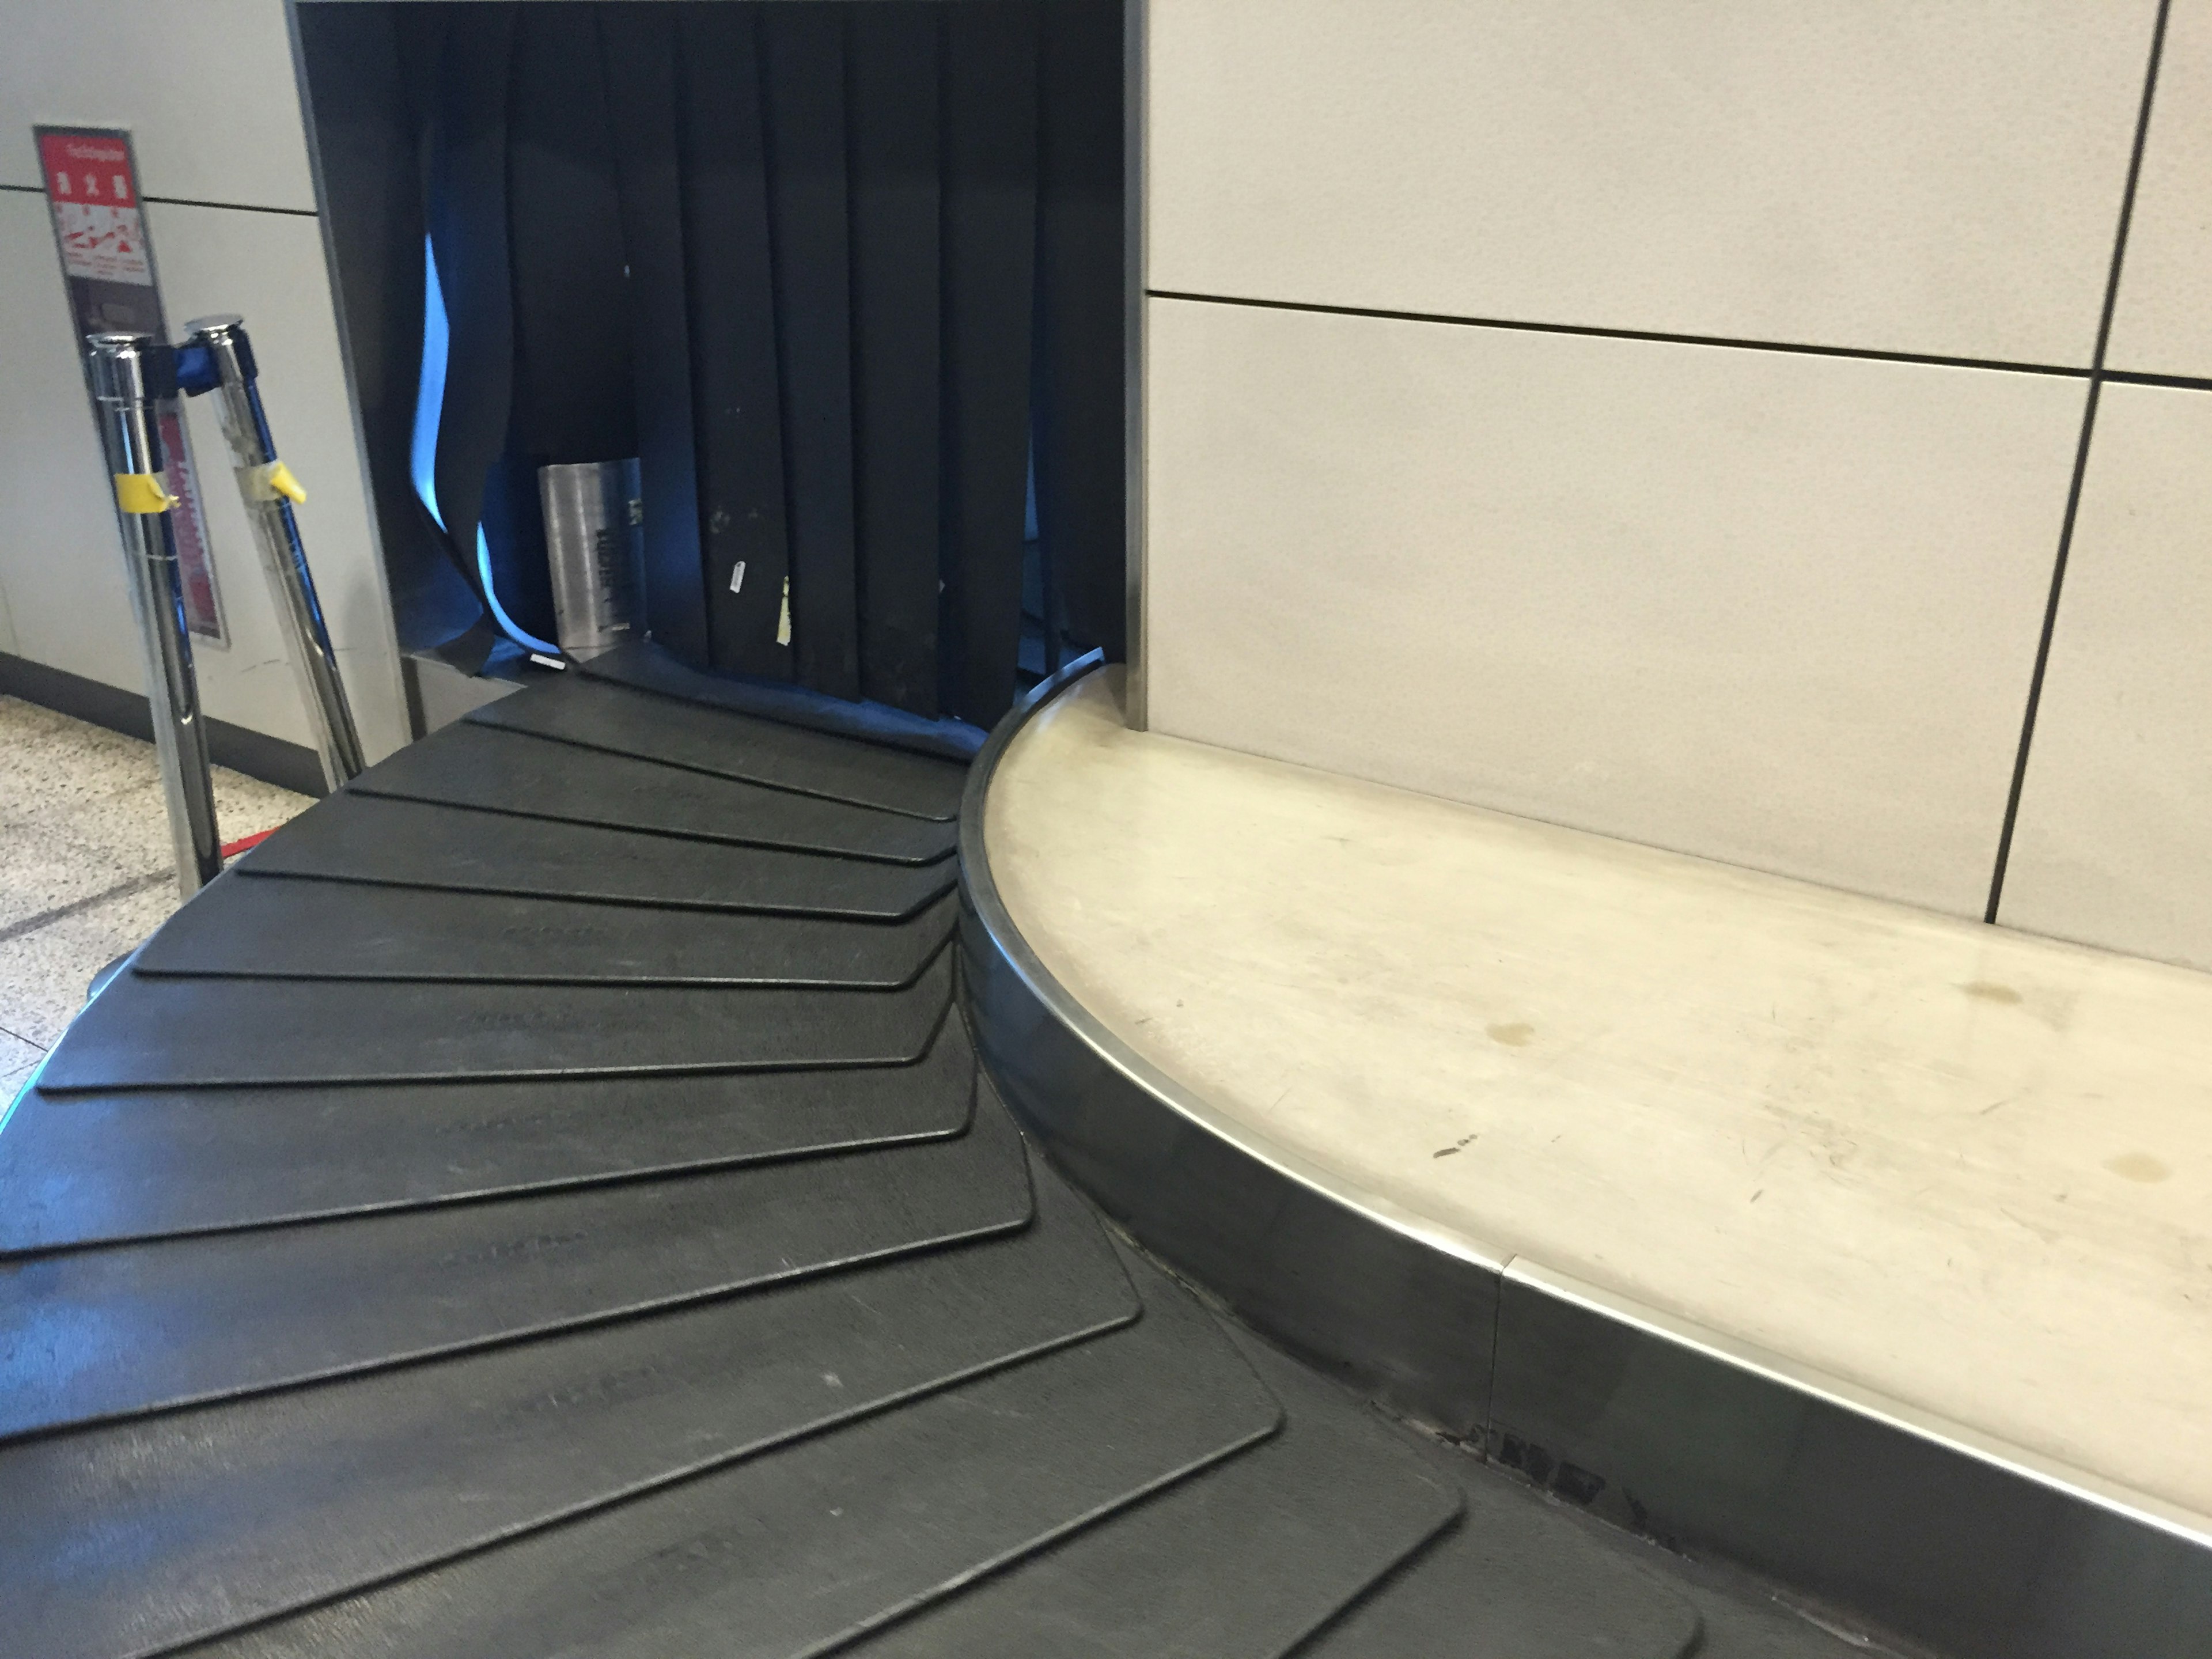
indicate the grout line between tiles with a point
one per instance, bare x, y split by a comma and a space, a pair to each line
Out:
77, 907
2097, 378
188, 201
2140, 377
1860, 354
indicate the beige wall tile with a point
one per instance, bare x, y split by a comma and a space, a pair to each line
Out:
1769, 608
206, 89
2114, 845
2163, 322
1875, 173
58, 553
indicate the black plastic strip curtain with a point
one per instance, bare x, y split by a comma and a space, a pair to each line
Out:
640, 44
803, 88
466, 212
572, 398
738, 416
989, 275
895, 122
840, 275
1081, 483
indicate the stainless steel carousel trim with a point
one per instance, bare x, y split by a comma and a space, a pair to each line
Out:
1902, 1522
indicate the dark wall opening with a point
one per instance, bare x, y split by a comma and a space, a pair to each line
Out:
848, 279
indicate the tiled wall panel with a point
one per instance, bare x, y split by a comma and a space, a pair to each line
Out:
205, 87
2163, 322
1878, 174
1771, 608
2114, 845
59, 561
6, 624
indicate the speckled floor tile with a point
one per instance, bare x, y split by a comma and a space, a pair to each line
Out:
82, 824
44, 973
80, 810
18, 1060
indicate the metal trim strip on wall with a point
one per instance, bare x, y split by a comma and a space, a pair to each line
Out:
1136, 192
1894, 1519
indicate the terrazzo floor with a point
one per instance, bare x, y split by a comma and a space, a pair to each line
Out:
85, 867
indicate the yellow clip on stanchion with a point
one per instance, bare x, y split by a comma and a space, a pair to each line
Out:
143, 492
281, 480
270, 480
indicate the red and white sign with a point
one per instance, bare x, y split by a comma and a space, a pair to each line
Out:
107, 266
95, 204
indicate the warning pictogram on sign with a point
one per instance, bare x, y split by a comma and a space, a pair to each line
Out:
95, 204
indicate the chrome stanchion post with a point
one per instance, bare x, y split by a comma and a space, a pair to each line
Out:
218, 357
130, 373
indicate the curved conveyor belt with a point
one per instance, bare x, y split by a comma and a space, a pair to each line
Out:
545, 1201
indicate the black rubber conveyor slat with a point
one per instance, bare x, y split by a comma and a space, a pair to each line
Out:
470, 765
1244, 1562
131, 1327
240, 1511
646, 667
146, 1032
296, 928
595, 714
1517, 1576
791, 1553
95, 1169
368, 838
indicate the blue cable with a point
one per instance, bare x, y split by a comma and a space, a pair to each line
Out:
422, 452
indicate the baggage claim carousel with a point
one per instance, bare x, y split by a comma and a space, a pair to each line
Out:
547, 1200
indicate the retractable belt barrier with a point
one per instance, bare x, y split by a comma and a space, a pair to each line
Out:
134, 374
217, 357
131, 375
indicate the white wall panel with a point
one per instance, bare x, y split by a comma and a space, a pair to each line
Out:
269, 268
1773, 609
206, 88
2114, 845
1883, 174
59, 555
2163, 323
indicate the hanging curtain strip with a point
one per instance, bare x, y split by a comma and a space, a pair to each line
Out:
739, 427
573, 396
894, 73
803, 99
467, 220
638, 42
989, 230
852, 264
1081, 480
359, 64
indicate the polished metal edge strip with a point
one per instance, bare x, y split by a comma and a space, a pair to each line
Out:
1883, 1410
1947, 1433
990, 909
1136, 194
